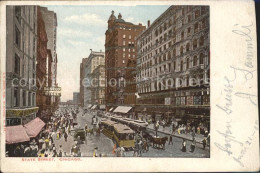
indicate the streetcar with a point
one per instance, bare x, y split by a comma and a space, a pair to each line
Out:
108, 128
124, 136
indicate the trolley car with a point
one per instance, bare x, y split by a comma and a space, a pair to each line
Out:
124, 136
108, 128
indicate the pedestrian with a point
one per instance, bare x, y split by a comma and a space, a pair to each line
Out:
140, 146
58, 135
60, 154
204, 142
135, 150
170, 140
95, 152
114, 149
65, 136
183, 149
122, 152
193, 145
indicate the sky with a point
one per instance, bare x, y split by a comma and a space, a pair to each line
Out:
81, 28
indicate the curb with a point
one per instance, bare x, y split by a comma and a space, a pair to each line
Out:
167, 133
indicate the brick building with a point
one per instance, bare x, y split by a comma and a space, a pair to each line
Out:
120, 48
173, 66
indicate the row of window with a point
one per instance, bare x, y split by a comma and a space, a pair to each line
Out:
185, 100
25, 95
173, 83
198, 26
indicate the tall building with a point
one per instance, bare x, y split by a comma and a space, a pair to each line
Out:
75, 97
50, 20
82, 76
41, 67
99, 85
21, 56
173, 66
94, 60
120, 48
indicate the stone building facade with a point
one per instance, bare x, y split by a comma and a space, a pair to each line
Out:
94, 60
173, 65
120, 47
21, 56
82, 76
99, 84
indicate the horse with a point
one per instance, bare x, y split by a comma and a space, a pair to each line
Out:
160, 142
145, 146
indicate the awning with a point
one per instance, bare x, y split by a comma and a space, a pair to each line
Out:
111, 109
102, 106
94, 106
34, 127
89, 106
123, 109
16, 134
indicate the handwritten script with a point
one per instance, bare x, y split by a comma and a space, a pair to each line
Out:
245, 72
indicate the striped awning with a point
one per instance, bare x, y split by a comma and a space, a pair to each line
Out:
89, 106
34, 127
123, 109
16, 134
102, 106
94, 107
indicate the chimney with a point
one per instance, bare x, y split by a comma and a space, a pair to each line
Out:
140, 24
119, 16
148, 23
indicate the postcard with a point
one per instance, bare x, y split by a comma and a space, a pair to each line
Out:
128, 86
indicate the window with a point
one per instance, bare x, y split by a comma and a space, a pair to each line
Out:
123, 36
181, 50
182, 35
181, 65
203, 10
174, 65
187, 47
188, 63
124, 43
189, 18
188, 30
201, 58
24, 98
197, 14
195, 59
17, 37
17, 64
194, 44
129, 55
123, 61
164, 57
16, 98
33, 99
174, 52
133, 50
169, 67
170, 44
30, 99
201, 41
18, 13
123, 49
196, 27
130, 37
169, 55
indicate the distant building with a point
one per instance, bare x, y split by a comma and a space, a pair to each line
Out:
120, 48
82, 77
76, 97
21, 56
50, 20
99, 86
94, 60
173, 66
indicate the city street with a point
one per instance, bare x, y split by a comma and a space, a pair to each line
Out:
105, 145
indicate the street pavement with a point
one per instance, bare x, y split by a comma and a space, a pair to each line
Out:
105, 145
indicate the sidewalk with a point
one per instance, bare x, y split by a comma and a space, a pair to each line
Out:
168, 131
